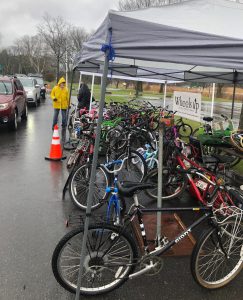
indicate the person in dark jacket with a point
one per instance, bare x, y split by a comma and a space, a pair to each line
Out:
84, 96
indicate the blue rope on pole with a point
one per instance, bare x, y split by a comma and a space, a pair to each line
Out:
109, 48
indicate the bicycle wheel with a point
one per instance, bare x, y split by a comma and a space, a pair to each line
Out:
79, 187
236, 140
72, 159
195, 133
110, 258
218, 255
185, 130
173, 184
117, 136
134, 168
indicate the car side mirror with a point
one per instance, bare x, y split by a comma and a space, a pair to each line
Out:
37, 86
20, 93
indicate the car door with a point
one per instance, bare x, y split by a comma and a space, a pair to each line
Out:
20, 98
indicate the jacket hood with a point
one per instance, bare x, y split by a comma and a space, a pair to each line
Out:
61, 80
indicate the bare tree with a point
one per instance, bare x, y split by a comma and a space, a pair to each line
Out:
75, 38
35, 50
54, 31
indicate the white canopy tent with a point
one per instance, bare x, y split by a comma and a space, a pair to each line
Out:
111, 76
189, 36
193, 33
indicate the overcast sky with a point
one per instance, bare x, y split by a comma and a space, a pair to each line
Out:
20, 17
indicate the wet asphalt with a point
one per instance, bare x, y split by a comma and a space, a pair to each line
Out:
32, 217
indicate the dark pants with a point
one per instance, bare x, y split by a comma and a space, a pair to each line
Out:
55, 117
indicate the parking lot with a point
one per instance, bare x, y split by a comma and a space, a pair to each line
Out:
32, 218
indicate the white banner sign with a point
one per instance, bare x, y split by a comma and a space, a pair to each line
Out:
188, 105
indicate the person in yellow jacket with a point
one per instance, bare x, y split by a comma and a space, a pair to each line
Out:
60, 98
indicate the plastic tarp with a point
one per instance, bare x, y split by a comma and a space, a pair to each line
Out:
193, 33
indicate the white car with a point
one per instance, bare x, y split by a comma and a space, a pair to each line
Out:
32, 89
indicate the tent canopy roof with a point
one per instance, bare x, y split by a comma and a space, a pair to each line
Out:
176, 37
216, 17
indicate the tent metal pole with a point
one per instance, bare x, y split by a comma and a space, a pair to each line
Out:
233, 102
234, 92
160, 178
92, 92
93, 173
80, 79
165, 92
70, 95
213, 98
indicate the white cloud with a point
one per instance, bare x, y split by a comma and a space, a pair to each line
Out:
20, 17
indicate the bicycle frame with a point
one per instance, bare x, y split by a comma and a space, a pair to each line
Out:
201, 196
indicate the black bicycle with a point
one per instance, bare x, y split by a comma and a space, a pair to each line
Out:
114, 251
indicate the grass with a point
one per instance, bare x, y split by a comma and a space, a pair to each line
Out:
122, 94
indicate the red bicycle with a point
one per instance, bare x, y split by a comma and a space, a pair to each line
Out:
176, 179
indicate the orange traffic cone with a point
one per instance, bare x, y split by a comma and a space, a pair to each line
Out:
56, 149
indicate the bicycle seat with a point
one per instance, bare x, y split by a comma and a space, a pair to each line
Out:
207, 119
128, 189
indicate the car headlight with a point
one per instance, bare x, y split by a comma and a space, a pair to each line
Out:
4, 106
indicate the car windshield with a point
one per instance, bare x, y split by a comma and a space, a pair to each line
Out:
26, 82
6, 88
40, 81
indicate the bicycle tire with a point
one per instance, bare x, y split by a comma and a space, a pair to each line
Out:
79, 187
202, 253
117, 136
134, 168
185, 130
115, 236
195, 132
152, 177
237, 144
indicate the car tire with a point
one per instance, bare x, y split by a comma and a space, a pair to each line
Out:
13, 124
24, 115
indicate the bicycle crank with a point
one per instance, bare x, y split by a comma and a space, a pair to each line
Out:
150, 265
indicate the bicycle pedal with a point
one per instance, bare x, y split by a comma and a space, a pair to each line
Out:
154, 262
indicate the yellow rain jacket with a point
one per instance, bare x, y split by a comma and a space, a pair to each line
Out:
61, 95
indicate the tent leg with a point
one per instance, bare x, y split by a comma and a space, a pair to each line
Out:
80, 79
92, 92
213, 98
165, 92
93, 173
233, 102
160, 178
70, 95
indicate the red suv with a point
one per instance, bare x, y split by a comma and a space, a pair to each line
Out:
13, 102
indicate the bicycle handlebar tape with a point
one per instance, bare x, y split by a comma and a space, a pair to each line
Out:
56, 149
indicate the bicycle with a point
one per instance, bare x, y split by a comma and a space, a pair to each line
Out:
132, 165
113, 251
175, 183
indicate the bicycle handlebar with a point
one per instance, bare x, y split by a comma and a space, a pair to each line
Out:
115, 162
